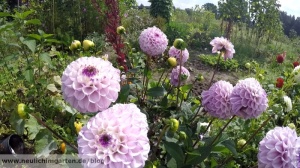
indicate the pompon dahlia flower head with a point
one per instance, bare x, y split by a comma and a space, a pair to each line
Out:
90, 84
247, 99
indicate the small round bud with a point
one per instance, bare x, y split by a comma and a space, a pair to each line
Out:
260, 76
292, 125
241, 143
174, 124
121, 30
87, 44
179, 44
248, 65
21, 111
63, 147
75, 45
182, 135
200, 77
172, 62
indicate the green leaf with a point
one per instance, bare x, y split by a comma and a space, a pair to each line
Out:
123, 95
52, 88
46, 58
175, 151
17, 123
4, 14
33, 21
35, 36
230, 145
33, 127
186, 87
22, 15
44, 143
199, 155
31, 44
28, 74
156, 91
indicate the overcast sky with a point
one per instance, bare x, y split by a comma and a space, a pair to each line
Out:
289, 6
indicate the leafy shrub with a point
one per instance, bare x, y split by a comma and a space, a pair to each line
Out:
230, 64
177, 30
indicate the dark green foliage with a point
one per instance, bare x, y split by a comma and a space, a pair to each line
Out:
211, 7
161, 8
177, 30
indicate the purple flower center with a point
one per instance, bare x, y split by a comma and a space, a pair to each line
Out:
105, 140
89, 71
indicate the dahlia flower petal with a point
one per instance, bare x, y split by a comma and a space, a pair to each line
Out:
175, 75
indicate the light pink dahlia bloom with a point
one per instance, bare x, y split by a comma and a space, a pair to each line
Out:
279, 149
248, 99
117, 136
185, 74
224, 46
153, 41
216, 100
90, 84
174, 52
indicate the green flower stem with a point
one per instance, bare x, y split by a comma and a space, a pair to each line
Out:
179, 81
229, 121
165, 70
216, 68
160, 138
52, 131
145, 80
188, 95
250, 139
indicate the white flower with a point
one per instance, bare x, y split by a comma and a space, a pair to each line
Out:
296, 72
288, 103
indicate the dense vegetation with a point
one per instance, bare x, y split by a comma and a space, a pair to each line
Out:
40, 39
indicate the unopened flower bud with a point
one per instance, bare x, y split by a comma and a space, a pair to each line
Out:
63, 147
179, 44
120, 30
248, 65
21, 111
174, 124
292, 125
78, 126
182, 135
172, 62
241, 143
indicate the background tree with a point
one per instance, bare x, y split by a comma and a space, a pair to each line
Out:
211, 7
162, 8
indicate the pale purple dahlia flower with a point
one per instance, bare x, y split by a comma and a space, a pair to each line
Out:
117, 137
153, 41
216, 100
174, 52
185, 74
279, 149
90, 84
248, 99
224, 46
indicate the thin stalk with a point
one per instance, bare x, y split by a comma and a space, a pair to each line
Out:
146, 79
179, 81
229, 121
52, 131
165, 70
211, 80
160, 138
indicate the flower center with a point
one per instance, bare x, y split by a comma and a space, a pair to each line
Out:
89, 71
105, 140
